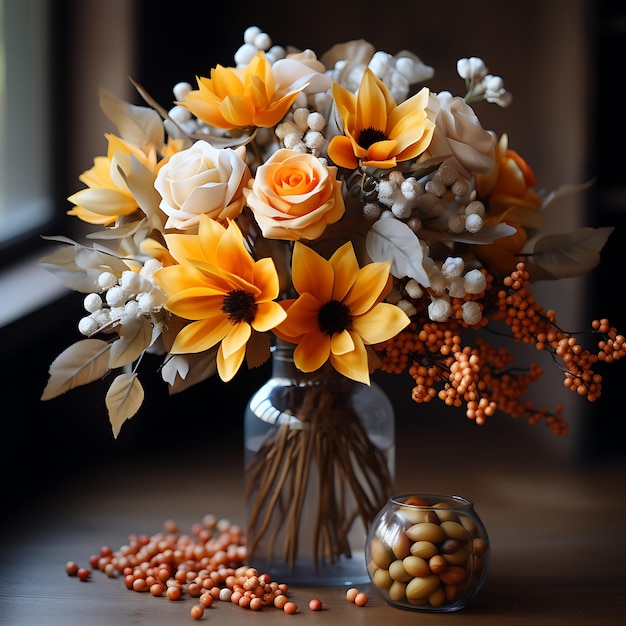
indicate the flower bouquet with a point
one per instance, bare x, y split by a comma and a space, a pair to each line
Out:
334, 204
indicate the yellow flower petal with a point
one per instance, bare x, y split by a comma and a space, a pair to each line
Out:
236, 339
200, 336
312, 351
380, 323
353, 365
227, 367
341, 343
311, 273
371, 282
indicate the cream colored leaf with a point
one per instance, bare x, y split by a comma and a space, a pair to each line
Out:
187, 370
570, 254
79, 266
82, 363
135, 337
140, 181
124, 398
136, 124
392, 240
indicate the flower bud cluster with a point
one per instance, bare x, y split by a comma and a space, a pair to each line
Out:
480, 84
442, 200
123, 299
399, 72
302, 131
448, 280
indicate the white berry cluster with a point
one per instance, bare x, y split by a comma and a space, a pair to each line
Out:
448, 279
441, 201
122, 300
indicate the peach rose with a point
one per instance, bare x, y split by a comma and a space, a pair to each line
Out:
295, 196
202, 179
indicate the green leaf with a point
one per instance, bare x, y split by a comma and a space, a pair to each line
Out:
135, 337
123, 400
392, 240
82, 363
570, 254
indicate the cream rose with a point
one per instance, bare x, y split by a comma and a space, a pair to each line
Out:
202, 179
458, 133
295, 196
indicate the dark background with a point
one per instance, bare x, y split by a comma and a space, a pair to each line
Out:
69, 436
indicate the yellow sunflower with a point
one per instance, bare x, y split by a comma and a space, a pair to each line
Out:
377, 131
219, 286
235, 98
339, 311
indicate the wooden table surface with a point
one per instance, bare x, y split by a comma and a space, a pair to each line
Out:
558, 534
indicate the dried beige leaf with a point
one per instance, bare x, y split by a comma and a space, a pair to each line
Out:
82, 363
123, 400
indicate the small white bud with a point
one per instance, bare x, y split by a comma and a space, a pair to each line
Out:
301, 117
130, 282
106, 280
456, 287
179, 114
292, 140
413, 289
471, 313
439, 310
456, 223
316, 121
87, 326
476, 207
262, 41
371, 211
181, 90
473, 223
453, 267
116, 296
92, 302
251, 33
245, 54
475, 281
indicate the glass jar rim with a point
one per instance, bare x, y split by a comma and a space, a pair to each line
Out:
455, 501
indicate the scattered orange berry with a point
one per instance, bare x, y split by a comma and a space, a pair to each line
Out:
290, 608
361, 599
351, 594
315, 604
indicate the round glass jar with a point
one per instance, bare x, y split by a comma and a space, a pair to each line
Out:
427, 552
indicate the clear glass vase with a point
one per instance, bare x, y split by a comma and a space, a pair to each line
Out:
319, 456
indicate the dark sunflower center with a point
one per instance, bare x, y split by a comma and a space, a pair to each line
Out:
334, 317
239, 306
370, 136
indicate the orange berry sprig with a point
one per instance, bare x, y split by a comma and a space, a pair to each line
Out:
529, 323
474, 377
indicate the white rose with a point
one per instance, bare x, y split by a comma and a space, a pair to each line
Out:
202, 179
458, 132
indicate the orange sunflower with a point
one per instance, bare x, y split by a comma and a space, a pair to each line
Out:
377, 131
219, 286
235, 98
339, 311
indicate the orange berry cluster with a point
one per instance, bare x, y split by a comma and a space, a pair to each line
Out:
480, 377
529, 323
